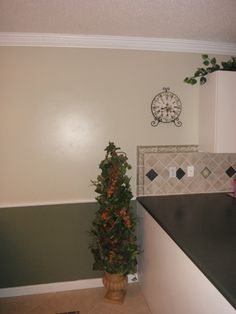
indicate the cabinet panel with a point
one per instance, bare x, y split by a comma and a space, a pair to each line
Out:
217, 113
226, 112
207, 115
169, 280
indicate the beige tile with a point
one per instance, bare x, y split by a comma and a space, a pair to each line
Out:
150, 160
164, 173
22, 305
192, 158
134, 304
87, 301
151, 190
193, 186
172, 163
218, 157
231, 158
179, 188
140, 176
166, 189
173, 182
147, 181
205, 186
80, 300
180, 159
225, 164
160, 158
187, 148
140, 190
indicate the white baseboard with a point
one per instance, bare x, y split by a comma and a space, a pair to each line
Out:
57, 287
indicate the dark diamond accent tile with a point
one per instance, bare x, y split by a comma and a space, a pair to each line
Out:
180, 173
230, 171
152, 174
205, 172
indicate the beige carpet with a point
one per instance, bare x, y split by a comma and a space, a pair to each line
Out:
87, 301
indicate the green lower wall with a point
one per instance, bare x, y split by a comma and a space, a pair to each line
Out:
45, 244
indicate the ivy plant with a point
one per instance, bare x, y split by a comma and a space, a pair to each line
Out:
211, 65
113, 235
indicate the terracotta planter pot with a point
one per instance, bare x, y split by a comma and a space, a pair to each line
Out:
116, 286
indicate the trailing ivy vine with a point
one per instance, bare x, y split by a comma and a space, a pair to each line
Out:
211, 65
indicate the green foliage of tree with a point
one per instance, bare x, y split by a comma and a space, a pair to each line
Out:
113, 238
211, 65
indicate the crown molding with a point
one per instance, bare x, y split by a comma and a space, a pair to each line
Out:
116, 42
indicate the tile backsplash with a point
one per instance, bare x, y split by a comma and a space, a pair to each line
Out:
212, 172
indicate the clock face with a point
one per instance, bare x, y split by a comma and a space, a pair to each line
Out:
166, 107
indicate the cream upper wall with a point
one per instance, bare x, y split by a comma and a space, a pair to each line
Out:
59, 107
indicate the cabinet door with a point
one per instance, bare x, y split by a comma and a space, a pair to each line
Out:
226, 112
207, 115
217, 113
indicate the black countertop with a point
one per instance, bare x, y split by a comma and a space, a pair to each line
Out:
204, 227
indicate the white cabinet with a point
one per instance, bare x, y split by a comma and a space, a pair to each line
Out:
217, 113
171, 283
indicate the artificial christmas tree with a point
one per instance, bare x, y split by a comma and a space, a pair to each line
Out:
113, 238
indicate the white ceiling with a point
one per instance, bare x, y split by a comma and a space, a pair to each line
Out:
208, 20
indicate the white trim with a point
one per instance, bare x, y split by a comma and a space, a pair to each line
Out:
79, 201
56, 287
50, 287
115, 42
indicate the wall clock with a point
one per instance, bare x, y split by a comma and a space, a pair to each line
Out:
166, 107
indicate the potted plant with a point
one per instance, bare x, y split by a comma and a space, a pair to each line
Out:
211, 65
113, 238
